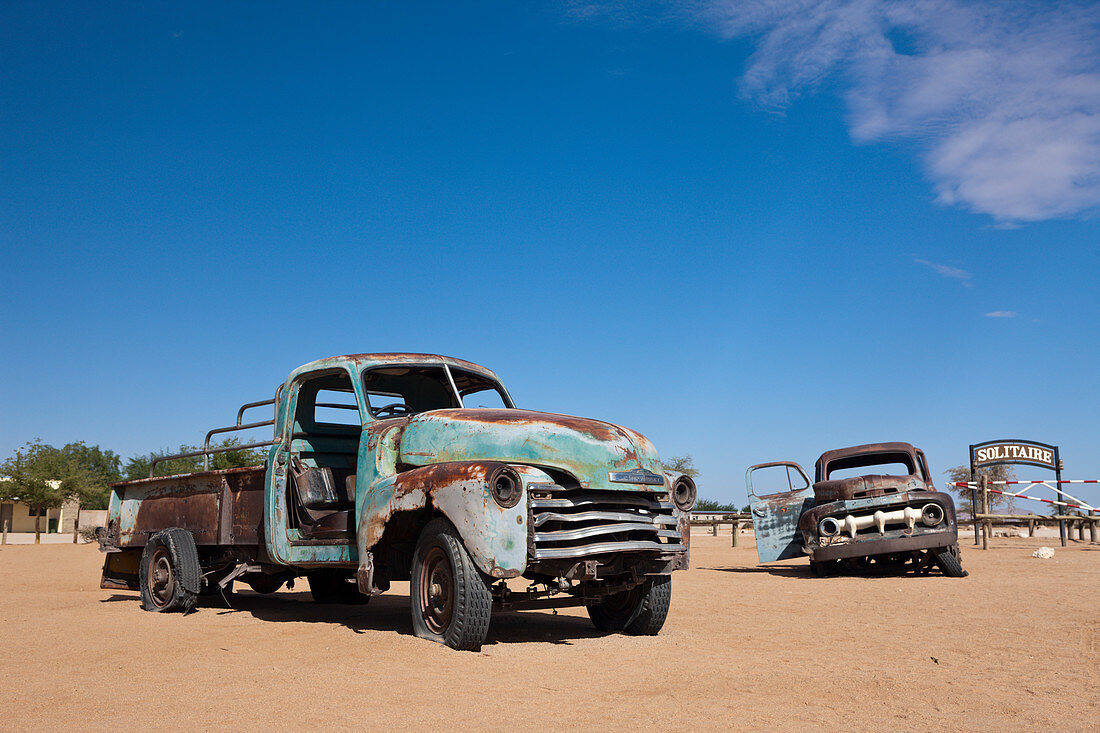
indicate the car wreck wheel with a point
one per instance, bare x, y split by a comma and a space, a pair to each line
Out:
451, 602
437, 591
169, 574
949, 560
640, 611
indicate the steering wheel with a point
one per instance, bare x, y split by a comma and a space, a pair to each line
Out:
395, 409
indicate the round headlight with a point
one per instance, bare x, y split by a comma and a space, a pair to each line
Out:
506, 487
828, 527
683, 493
931, 514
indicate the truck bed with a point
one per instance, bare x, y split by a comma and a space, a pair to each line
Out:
218, 507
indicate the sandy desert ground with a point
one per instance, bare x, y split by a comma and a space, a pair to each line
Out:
1012, 647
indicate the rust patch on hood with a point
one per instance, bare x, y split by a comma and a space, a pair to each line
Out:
596, 429
865, 487
440, 474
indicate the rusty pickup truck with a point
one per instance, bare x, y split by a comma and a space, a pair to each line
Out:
390, 467
854, 518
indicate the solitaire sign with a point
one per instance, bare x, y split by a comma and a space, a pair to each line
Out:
1015, 453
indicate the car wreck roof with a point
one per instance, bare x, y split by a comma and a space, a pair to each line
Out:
869, 448
381, 359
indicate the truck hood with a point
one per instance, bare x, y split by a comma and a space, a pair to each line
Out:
587, 449
864, 487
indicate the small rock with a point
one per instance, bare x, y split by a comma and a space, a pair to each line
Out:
1044, 553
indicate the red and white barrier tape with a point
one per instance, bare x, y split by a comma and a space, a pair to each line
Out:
1052, 481
1022, 495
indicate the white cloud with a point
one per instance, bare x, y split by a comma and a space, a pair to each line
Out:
955, 273
1001, 314
1002, 97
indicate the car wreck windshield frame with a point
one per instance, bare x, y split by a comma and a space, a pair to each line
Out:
450, 382
869, 460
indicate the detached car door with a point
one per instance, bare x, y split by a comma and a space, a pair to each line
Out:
782, 492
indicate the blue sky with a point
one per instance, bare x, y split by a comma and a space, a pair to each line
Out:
750, 231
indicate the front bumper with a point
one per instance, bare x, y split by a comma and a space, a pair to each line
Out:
870, 541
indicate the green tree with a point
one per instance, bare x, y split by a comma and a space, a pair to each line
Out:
965, 504
710, 505
138, 466
685, 464
43, 478
102, 468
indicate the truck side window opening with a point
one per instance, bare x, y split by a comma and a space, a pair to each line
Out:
324, 453
777, 480
336, 407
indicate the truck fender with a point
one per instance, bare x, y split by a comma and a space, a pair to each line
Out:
495, 536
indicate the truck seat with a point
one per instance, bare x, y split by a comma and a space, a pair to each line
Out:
324, 500
331, 525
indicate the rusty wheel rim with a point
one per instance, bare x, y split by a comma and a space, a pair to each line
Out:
161, 580
437, 590
619, 603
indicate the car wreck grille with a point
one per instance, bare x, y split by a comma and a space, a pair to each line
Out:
582, 523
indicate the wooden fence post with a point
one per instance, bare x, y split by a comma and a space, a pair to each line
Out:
736, 531
5, 541
1031, 528
987, 525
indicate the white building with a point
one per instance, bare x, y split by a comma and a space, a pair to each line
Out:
20, 518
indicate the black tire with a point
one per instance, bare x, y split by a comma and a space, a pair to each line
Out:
640, 611
334, 586
949, 560
451, 600
169, 575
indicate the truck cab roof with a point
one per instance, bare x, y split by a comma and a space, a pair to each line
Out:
358, 362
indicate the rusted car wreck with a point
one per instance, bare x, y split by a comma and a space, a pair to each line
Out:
862, 522
386, 467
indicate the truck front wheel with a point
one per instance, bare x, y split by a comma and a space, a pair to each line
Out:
169, 574
949, 560
640, 611
451, 602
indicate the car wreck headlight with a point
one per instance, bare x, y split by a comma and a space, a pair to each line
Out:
506, 486
931, 514
828, 527
683, 493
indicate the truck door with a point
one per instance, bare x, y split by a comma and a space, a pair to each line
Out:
781, 494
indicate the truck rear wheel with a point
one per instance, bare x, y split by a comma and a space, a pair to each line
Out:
333, 586
640, 611
169, 574
949, 561
451, 602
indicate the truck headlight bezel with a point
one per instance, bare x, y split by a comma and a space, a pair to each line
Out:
506, 486
684, 493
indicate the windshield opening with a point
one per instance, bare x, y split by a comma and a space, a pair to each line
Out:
395, 391
885, 464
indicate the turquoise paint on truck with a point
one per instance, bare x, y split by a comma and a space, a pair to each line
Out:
581, 506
